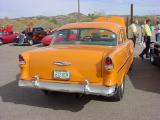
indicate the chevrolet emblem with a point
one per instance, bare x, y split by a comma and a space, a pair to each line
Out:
62, 63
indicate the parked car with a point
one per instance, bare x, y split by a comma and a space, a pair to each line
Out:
86, 58
47, 40
30, 38
155, 52
7, 37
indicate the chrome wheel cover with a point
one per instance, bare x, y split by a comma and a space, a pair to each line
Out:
31, 42
152, 59
122, 87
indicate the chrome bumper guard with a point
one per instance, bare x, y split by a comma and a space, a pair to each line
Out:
85, 88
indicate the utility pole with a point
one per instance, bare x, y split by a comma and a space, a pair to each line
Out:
78, 10
131, 20
127, 24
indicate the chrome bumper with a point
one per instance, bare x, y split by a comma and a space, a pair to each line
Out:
85, 88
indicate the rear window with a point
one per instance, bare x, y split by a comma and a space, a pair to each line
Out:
86, 36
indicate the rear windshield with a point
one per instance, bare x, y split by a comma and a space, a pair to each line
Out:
85, 36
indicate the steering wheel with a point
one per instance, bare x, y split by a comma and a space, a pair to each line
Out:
87, 38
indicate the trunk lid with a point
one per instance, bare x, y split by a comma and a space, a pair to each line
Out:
83, 62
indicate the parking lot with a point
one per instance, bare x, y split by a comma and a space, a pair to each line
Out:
141, 100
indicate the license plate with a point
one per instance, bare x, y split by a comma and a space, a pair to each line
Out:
61, 75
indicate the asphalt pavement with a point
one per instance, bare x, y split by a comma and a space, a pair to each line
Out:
141, 100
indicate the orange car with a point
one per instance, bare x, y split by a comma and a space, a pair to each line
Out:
86, 58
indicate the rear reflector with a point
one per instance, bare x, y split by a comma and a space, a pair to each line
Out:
21, 60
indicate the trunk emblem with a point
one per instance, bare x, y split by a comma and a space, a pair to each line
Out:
62, 63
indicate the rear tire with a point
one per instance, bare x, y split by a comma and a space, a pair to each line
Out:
131, 67
120, 91
46, 92
1, 41
78, 95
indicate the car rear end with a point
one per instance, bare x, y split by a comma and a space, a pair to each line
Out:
66, 72
81, 60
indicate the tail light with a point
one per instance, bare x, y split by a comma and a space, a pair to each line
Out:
109, 64
21, 60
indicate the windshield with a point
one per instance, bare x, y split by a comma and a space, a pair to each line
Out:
85, 36
2, 33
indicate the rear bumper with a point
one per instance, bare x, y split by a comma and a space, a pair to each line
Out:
85, 88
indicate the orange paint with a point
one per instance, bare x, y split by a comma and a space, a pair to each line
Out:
87, 61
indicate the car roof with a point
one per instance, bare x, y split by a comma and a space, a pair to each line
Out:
114, 27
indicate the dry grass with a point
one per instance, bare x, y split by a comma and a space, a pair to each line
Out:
56, 21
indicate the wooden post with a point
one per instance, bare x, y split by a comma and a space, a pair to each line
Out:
131, 20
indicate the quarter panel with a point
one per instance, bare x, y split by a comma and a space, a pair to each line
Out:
122, 60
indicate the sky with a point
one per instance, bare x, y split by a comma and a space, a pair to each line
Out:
27, 8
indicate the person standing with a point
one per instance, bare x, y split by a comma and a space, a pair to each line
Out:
133, 31
3, 29
142, 35
147, 39
157, 29
9, 29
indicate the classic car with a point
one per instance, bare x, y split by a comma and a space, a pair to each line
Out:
155, 51
30, 38
7, 37
83, 58
47, 40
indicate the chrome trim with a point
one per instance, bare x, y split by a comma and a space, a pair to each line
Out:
128, 57
85, 88
62, 63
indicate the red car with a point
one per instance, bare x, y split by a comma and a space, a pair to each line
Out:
7, 37
47, 40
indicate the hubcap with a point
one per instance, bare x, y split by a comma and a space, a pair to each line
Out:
122, 87
30, 42
152, 59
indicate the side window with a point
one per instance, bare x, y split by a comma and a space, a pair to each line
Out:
33, 30
39, 29
73, 34
122, 37
61, 35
